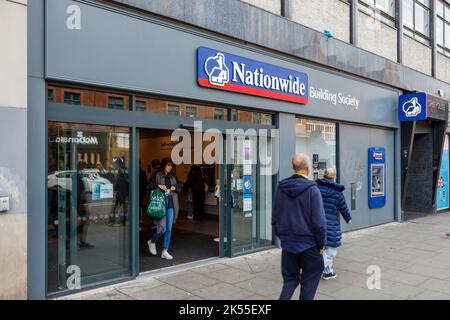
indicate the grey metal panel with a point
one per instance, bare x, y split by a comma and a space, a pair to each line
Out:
37, 189
13, 162
286, 124
36, 147
256, 26
162, 60
353, 153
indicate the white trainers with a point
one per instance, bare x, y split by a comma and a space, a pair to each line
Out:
166, 255
152, 247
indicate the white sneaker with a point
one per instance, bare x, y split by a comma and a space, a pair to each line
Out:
166, 255
152, 247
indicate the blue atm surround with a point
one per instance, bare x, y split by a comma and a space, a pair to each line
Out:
377, 177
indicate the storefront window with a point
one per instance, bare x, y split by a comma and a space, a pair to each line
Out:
317, 139
88, 204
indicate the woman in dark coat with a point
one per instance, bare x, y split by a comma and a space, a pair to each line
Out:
333, 203
168, 183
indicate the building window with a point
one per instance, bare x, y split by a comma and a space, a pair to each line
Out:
219, 114
383, 10
443, 27
72, 98
191, 112
234, 115
115, 103
50, 95
416, 19
173, 110
141, 105
256, 118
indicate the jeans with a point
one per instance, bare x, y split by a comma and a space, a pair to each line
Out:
304, 268
328, 255
167, 234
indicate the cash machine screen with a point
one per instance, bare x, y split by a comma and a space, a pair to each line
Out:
377, 177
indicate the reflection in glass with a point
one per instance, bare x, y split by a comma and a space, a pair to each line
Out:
88, 203
317, 139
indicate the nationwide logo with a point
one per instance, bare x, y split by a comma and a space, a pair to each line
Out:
79, 139
229, 72
412, 108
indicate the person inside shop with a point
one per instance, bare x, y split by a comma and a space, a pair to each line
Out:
142, 191
121, 188
168, 183
197, 183
101, 171
83, 218
334, 203
152, 169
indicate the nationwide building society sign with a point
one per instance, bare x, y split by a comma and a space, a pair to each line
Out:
224, 71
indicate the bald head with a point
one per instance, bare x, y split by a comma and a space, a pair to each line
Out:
301, 163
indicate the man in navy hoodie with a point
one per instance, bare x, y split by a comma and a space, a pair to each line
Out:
298, 219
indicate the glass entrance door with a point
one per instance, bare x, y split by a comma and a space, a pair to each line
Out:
248, 185
88, 205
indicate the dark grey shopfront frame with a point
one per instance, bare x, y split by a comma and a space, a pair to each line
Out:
38, 114
136, 120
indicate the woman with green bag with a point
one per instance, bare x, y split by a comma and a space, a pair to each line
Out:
165, 181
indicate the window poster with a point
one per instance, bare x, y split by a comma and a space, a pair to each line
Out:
442, 201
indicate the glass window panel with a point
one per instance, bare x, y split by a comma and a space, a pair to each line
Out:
317, 139
440, 8
387, 6
173, 110
422, 20
408, 13
447, 12
440, 32
72, 98
115, 103
88, 203
50, 95
191, 112
447, 35
219, 114
141, 105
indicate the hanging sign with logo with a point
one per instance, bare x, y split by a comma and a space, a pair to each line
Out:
412, 107
224, 71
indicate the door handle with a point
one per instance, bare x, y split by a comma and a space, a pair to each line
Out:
353, 196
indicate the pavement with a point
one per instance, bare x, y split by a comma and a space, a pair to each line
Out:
408, 260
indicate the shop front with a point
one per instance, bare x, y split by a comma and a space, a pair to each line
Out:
116, 105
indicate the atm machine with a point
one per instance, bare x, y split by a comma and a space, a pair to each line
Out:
377, 177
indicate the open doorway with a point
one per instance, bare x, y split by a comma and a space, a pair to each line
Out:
194, 236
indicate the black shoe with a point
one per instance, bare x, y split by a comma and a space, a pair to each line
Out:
84, 245
328, 276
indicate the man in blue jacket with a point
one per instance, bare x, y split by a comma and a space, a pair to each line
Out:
298, 219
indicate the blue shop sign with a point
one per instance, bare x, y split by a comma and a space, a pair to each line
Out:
412, 107
224, 71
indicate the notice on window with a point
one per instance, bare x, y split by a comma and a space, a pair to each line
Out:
248, 203
247, 169
102, 191
106, 191
239, 184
